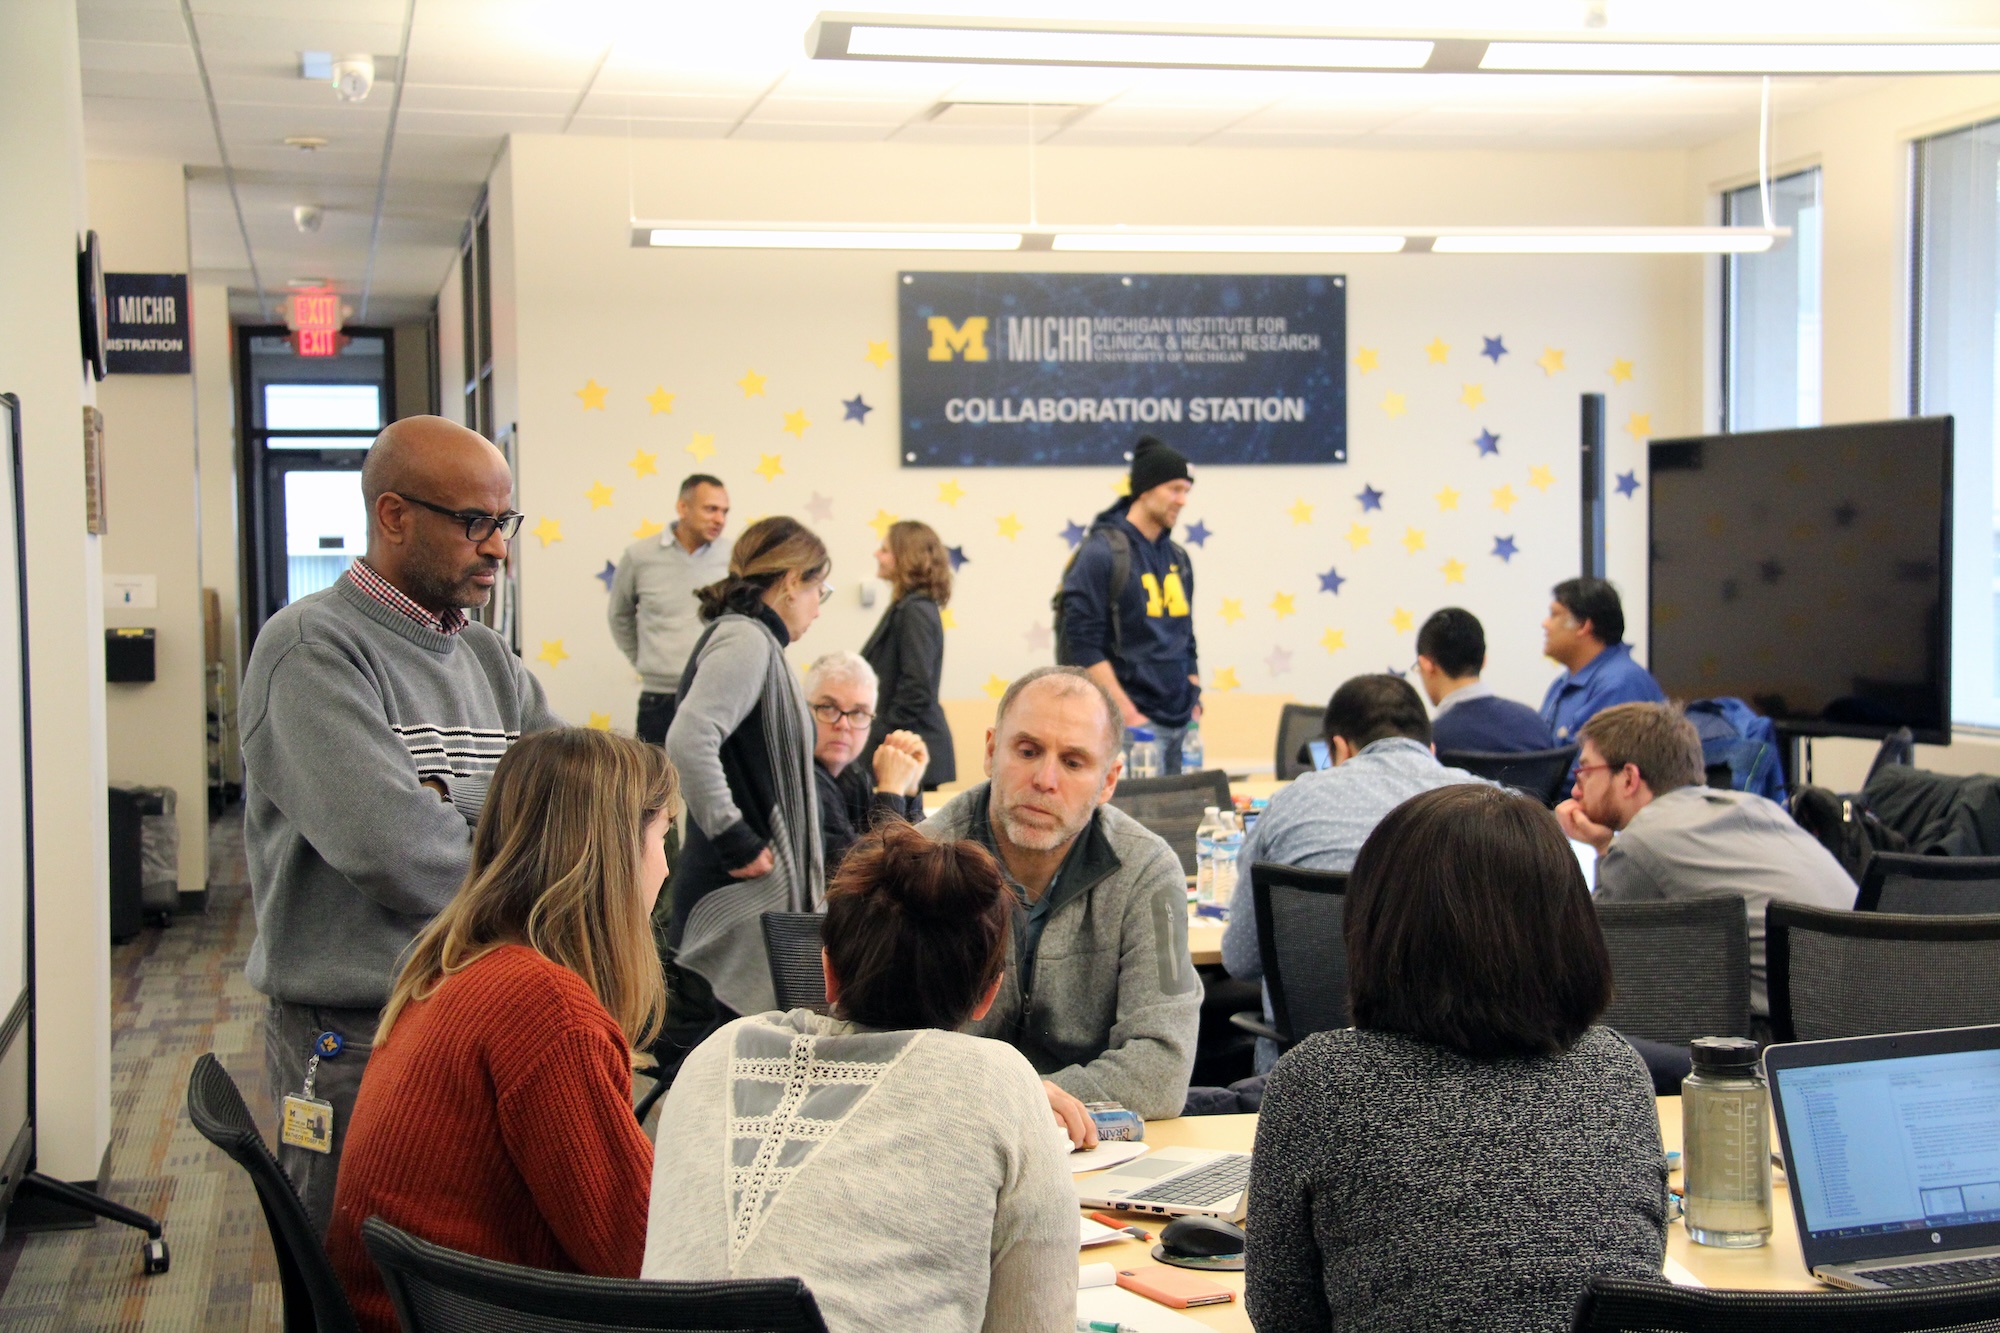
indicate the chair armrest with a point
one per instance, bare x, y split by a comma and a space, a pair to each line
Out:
1254, 1024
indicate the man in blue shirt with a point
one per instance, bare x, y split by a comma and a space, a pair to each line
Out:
1451, 652
1585, 632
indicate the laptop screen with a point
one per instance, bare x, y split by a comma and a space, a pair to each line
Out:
1878, 1147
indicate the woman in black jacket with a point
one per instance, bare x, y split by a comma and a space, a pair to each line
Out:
907, 647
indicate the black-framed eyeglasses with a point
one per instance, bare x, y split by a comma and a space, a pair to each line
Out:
833, 715
478, 526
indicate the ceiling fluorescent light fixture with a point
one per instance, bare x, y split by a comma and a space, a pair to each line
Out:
979, 42
1601, 57
1227, 243
1246, 241
829, 238
1609, 241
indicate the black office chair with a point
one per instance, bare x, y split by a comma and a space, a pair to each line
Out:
1857, 974
1543, 774
1681, 969
1304, 947
436, 1290
1627, 1305
1173, 807
791, 942
314, 1301
1898, 747
1930, 885
1297, 724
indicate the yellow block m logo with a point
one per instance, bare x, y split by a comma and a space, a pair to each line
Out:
967, 339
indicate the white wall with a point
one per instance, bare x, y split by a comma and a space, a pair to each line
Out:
217, 453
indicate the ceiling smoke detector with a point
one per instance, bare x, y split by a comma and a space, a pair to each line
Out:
307, 217
353, 76
305, 143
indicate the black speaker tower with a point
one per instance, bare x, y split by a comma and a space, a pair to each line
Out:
1592, 457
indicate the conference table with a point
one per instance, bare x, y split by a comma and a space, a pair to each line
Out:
1776, 1266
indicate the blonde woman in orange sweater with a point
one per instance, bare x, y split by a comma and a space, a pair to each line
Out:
496, 1113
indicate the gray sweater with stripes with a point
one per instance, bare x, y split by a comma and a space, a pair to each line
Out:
347, 707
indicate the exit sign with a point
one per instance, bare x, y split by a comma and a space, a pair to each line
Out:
315, 314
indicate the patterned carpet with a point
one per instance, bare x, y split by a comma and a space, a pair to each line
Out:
176, 993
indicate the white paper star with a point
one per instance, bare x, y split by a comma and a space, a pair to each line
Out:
1280, 661
1038, 638
820, 507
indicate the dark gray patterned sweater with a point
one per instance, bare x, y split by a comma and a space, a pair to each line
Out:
1398, 1185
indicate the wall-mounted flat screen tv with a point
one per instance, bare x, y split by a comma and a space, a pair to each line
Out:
1808, 572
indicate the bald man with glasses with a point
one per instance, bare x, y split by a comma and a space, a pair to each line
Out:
372, 716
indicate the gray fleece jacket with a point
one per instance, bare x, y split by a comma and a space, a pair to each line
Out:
1114, 1004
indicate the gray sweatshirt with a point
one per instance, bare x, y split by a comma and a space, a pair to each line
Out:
347, 706
913, 1179
653, 615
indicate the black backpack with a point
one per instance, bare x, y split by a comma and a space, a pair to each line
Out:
1121, 574
1845, 826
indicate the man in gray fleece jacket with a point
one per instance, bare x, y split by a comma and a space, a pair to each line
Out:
1100, 995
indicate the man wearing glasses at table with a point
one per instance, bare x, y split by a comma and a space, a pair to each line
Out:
373, 714
841, 689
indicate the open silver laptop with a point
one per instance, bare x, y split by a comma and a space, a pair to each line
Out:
1173, 1182
1892, 1151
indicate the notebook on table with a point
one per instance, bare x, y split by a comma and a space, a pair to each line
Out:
1173, 1182
1892, 1151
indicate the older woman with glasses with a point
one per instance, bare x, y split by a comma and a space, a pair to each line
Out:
841, 689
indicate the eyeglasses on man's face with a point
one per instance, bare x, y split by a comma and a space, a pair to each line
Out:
478, 526
834, 716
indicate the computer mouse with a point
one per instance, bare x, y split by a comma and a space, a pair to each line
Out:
1202, 1237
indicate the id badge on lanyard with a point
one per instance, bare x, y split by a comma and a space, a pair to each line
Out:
307, 1121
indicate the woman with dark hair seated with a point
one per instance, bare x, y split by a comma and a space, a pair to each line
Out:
907, 1172
1474, 1148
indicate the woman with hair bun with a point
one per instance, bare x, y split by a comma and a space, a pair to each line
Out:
827, 1147
907, 647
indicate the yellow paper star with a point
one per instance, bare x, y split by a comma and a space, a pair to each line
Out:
1551, 360
1300, 511
796, 423
552, 652
599, 494
1282, 604
1639, 425
1122, 486
1367, 359
648, 528
1224, 680
1395, 404
701, 446
1413, 540
1232, 610
1447, 498
592, 394
1333, 640
1541, 478
1504, 498
1009, 526
881, 523
769, 466
1401, 621
950, 492
1621, 370
947, 619
660, 401
1357, 535
548, 530
600, 721
752, 384
995, 686
1454, 571
1472, 395
879, 354
644, 464
1438, 349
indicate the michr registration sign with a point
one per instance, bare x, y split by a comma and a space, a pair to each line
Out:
1068, 369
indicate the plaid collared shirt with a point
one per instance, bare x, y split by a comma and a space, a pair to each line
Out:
450, 621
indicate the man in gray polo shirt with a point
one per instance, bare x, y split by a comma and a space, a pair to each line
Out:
652, 612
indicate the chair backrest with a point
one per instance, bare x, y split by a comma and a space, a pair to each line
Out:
1297, 724
314, 1300
436, 1290
1858, 974
1627, 1305
1173, 807
791, 941
1930, 885
1680, 969
1898, 747
1543, 774
1301, 935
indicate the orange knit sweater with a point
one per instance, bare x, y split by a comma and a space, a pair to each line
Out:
497, 1121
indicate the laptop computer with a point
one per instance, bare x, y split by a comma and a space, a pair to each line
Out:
1173, 1182
1892, 1150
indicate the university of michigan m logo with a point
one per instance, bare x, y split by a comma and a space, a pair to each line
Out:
967, 339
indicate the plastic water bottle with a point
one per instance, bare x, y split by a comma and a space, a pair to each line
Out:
1191, 749
1726, 1145
1228, 843
1144, 755
1205, 835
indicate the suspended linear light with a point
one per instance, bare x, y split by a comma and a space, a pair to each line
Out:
855, 37
1212, 240
808, 238
1588, 57
1608, 240
1234, 243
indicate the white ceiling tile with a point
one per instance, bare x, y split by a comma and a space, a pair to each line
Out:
1119, 117
808, 111
526, 101
601, 105
180, 85
811, 132
937, 132
138, 57
149, 25
482, 124
653, 129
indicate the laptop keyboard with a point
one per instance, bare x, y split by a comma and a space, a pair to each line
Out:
1203, 1187
1935, 1275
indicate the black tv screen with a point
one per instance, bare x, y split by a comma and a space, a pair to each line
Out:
1807, 572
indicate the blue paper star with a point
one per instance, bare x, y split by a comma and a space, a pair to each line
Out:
957, 556
1488, 442
1495, 348
856, 409
1074, 533
1770, 571
1331, 581
1397, 672
1198, 533
1370, 498
1846, 514
1504, 548
1628, 482
608, 573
